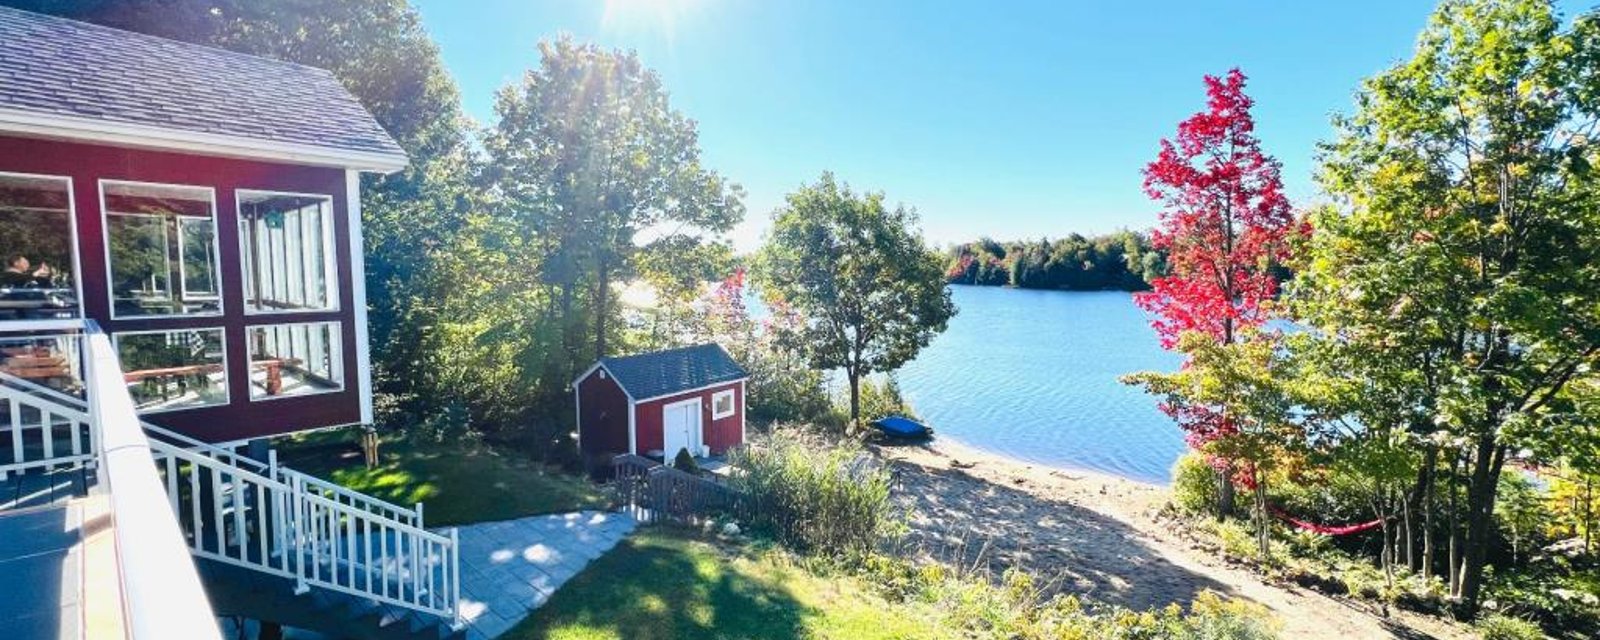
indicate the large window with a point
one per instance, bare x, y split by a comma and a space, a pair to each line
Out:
168, 370
287, 244
295, 359
162, 241
37, 279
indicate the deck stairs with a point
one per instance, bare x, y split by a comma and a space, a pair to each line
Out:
270, 543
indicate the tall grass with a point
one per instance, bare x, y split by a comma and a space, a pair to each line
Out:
814, 497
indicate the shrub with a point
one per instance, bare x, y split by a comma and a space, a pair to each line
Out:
881, 398
1499, 627
813, 497
1194, 484
684, 462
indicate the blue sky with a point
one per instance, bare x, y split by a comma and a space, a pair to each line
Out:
1006, 119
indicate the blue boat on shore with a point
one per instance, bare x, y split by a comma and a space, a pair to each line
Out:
903, 427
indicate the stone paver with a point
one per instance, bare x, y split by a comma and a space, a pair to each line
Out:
510, 568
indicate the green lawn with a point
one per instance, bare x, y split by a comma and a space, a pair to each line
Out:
456, 484
658, 584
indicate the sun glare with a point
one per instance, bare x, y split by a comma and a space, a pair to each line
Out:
653, 15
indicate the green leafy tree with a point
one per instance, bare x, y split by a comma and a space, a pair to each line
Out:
587, 156
1465, 197
1255, 381
870, 289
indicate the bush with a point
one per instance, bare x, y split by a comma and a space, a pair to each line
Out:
1194, 484
813, 497
1499, 627
880, 399
684, 462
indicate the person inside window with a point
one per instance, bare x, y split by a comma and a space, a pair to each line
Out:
19, 272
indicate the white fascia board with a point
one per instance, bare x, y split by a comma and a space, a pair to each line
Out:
141, 136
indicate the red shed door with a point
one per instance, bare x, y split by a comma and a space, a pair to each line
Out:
680, 428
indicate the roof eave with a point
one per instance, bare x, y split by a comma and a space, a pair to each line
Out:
79, 129
680, 392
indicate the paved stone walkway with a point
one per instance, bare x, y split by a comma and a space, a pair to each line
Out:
509, 568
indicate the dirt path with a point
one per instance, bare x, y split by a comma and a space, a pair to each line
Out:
1097, 536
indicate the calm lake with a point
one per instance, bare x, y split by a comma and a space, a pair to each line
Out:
1033, 375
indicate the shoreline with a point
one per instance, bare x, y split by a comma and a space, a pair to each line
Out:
1101, 537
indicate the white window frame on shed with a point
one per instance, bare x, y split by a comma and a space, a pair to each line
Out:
716, 399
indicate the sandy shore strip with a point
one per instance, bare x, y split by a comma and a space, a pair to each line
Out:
1097, 535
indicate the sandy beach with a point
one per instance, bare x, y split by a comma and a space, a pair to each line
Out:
1099, 536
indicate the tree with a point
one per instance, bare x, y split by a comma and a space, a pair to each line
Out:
586, 155
1465, 200
1224, 223
871, 291
1252, 381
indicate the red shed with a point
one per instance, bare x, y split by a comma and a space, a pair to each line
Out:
204, 208
655, 404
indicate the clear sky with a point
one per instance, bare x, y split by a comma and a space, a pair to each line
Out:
1006, 119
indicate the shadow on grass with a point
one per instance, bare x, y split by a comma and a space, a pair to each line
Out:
658, 588
969, 521
457, 484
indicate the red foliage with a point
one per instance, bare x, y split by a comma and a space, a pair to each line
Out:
1225, 218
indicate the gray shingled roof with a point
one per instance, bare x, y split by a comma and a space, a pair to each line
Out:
51, 65
650, 375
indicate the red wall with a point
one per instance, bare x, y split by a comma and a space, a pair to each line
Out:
720, 435
602, 416
242, 418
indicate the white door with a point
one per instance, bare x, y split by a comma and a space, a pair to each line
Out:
680, 428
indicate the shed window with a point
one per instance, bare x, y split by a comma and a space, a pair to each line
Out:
168, 370
721, 404
295, 359
37, 279
162, 241
287, 242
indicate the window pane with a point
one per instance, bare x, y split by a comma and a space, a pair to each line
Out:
174, 369
295, 359
36, 279
163, 246
286, 246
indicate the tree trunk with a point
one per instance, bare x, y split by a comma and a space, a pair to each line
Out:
855, 401
1455, 527
1588, 513
1225, 493
602, 298
1263, 539
1485, 480
1427, 527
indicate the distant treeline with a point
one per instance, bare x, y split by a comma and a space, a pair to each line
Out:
1123, 260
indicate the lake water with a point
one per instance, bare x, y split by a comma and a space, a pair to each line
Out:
1033, 375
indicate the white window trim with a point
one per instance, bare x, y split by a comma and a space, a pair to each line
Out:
183, 273
733, 406
72, 231
330, 263
105, 248
337, 344
227, 377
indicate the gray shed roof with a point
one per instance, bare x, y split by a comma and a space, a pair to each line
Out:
660, 373
52, 66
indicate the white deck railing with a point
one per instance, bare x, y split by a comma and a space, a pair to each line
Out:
161, 592
200, 500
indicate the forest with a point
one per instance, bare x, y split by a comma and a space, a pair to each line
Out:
1120, 261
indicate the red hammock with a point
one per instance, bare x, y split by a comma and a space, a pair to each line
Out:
1324, 529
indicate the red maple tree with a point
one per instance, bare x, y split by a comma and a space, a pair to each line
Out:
1224, 220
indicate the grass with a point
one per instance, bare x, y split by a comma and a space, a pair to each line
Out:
456, 484
661, 584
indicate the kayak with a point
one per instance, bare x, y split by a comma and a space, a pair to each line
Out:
902, 427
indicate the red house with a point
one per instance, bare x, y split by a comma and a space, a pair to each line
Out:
655, 404
204, 208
